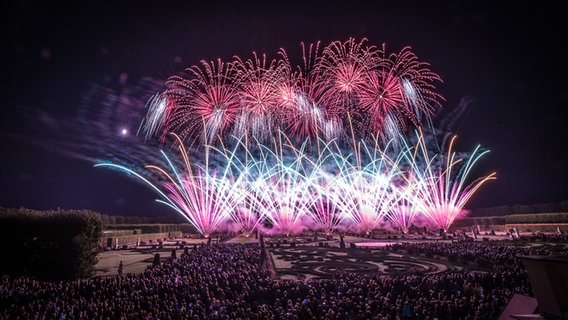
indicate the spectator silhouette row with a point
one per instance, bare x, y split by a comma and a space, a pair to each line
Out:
226, 281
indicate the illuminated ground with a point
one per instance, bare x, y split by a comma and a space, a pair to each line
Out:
135, 260
307, 258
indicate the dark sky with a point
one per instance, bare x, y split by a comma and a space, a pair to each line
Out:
510, 60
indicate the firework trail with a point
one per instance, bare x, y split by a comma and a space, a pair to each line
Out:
203, 104
365, 189
201, 197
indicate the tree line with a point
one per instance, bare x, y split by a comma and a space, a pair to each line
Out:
50, 245
548, 207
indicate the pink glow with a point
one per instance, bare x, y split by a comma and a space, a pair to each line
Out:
382, 92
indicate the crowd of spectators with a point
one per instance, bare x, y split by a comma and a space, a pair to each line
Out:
226, 281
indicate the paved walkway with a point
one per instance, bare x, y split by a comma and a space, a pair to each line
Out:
136, 260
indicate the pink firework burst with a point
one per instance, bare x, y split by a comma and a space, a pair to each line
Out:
308, 112
282, 200
402, 215
201, 200
382, 98
259, 94
344, 66
418, 82
324, 212
208, 100
398, 92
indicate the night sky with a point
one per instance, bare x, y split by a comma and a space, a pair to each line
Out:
510, 62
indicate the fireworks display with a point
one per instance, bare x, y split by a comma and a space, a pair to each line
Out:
324, 146
344, 85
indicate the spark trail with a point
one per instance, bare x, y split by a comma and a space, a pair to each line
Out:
321, 146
